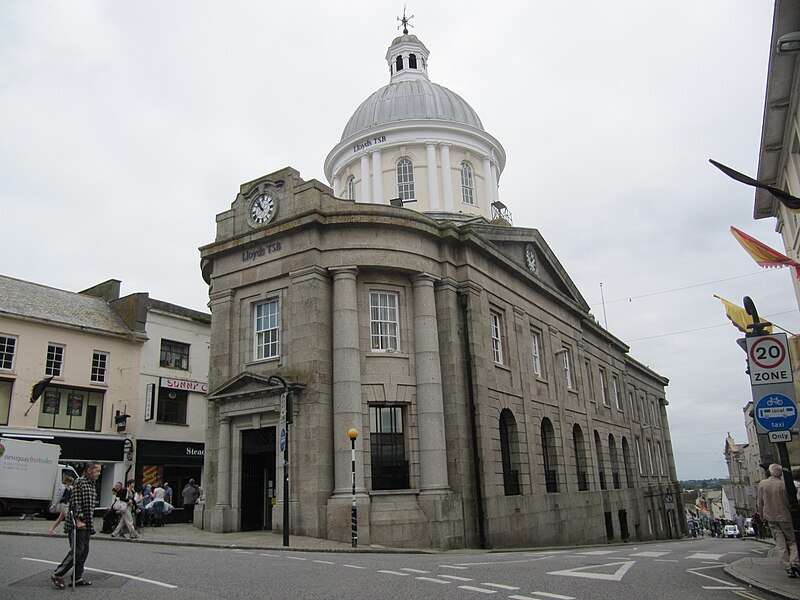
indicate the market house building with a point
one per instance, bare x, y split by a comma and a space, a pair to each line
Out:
492, 409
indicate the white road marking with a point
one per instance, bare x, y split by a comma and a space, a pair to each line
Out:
622, 568
515, 597
706, 556
477, 589
721, 587
738, 552
598, 552
758, 551
432, 579
547, 552
414, 570
324, 562
499, 586
393, 573
456, 578
556, 596
452, 567
650, 554
354, 567
496, 562
272, 555
125, 575
722, 581
296, 558
666, 560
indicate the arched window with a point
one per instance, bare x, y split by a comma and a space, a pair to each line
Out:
467, 184
412, 61
405, 179
601, 471
351, 188
626, 458
509, 452
549, 456
579, 447
614, 458
399, 64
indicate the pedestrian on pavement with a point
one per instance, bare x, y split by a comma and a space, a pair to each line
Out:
126, 496
63, 503
740, 525
190, 494
110, 517
79, 526
167, 493
773, 506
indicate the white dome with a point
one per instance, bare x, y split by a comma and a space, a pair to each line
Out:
411, 100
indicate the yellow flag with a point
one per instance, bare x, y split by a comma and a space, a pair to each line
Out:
739, 316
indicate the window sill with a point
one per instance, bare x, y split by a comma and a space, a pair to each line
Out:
99, 384
171, 423
502, 366
384, 353
404, 492
261, 361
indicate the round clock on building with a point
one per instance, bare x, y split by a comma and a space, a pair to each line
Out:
262, 209
530, 258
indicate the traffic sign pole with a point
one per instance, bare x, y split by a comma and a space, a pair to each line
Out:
770, 369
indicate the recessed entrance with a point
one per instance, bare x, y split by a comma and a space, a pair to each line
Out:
258, 478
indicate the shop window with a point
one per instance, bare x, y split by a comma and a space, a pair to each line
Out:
71, 408
405, 180
172, 406
383, 322
99, 366
174, 355
54, 365
6, 387
267, 330
509, 453
8, 347
387, 448
467, 184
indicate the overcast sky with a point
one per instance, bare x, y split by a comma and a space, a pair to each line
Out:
126, 127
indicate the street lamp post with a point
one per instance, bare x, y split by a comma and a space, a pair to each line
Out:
286, 417
353, 435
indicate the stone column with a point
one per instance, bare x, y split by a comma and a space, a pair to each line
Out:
433, 184
366, 188
495, 182
377, 178
487, 183
337, 186
224, 463
447, 179
347, 411
430, 402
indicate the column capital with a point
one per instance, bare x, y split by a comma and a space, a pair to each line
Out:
422, 278
225, 421
343, 272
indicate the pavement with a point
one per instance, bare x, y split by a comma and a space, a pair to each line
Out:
765, 573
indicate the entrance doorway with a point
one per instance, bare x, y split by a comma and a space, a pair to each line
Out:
258, 478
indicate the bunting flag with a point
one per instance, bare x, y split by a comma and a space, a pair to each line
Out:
739, 316
788, 200
763, 254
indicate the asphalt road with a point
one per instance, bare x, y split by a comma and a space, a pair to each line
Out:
669, 570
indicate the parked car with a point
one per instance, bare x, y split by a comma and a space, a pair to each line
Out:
730, 531
749, 531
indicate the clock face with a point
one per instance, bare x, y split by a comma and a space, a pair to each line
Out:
530, 258
262, 209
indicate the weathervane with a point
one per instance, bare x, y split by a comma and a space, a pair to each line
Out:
405, 21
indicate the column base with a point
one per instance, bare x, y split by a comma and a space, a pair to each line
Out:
339, 513
219, 518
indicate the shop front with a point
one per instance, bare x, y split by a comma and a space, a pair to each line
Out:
159, 462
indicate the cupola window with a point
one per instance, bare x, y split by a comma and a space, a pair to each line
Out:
351, 188
399, 63
467, 184
405, 179
412, 61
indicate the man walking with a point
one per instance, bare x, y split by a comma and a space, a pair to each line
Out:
773, 506
78, 526
190, 494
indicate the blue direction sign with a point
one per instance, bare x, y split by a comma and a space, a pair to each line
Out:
776, 412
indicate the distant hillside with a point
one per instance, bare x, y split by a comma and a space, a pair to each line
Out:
706, 484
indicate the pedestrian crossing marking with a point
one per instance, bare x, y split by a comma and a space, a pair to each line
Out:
500, 586
414, 570
393, 573
432, 580
555, 596
590, 571
452, 567
456, 578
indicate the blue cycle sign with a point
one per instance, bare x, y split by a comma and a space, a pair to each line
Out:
776, 412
